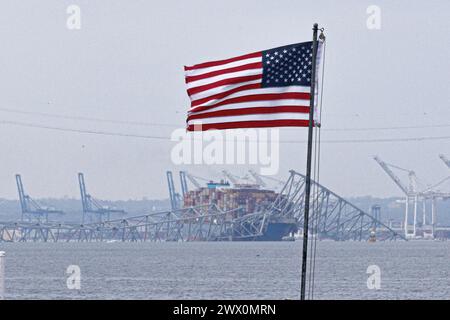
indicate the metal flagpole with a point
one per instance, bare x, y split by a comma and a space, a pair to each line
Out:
308, 164
2, 275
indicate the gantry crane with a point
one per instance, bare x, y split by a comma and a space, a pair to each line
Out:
429, 193
193, 179
93, 210
410, 191
237, 181
31, 210
230, 177
259, 179
411, 188
183, 182
175, 198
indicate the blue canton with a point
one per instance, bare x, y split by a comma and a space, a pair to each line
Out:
287, 66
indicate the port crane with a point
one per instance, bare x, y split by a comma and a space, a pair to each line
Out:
239, 181
192, 179
183, 182
92, 208
31, 210
334, 218
176, 200
174, 197
195, 182
259, 179
230, 177
414, 195
410, 192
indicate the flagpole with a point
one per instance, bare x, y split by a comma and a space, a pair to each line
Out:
308, 164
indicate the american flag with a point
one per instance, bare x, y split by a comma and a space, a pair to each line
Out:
269, 88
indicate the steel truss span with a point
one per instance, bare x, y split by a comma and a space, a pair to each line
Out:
332, 218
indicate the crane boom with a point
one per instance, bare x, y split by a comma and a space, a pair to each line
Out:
392, 175
172, 193
92, 207
83, 193
445, 159
22, 196
230, 177
184, 187
31, 209
257, 178
193, 180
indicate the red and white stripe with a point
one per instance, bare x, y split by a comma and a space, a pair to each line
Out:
227, 94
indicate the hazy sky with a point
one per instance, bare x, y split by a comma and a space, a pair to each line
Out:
126, 63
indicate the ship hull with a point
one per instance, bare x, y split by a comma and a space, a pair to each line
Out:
275, 231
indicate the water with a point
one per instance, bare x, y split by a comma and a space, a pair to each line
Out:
225, 270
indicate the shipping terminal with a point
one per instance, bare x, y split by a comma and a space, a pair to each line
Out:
233, 208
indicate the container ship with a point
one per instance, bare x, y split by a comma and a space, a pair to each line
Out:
247, 198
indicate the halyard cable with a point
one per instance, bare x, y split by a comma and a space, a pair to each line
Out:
313, 217
317, 178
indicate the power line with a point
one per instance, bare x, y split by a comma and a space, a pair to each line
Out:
105, 133
68, 117
389, 128
130, 135
153, 124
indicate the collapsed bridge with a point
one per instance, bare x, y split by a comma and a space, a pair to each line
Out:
332, 217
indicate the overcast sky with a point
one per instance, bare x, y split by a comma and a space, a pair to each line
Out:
126, 63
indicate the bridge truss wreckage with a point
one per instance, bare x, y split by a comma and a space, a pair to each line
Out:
332, 218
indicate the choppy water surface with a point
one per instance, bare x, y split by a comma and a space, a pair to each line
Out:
225, 270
